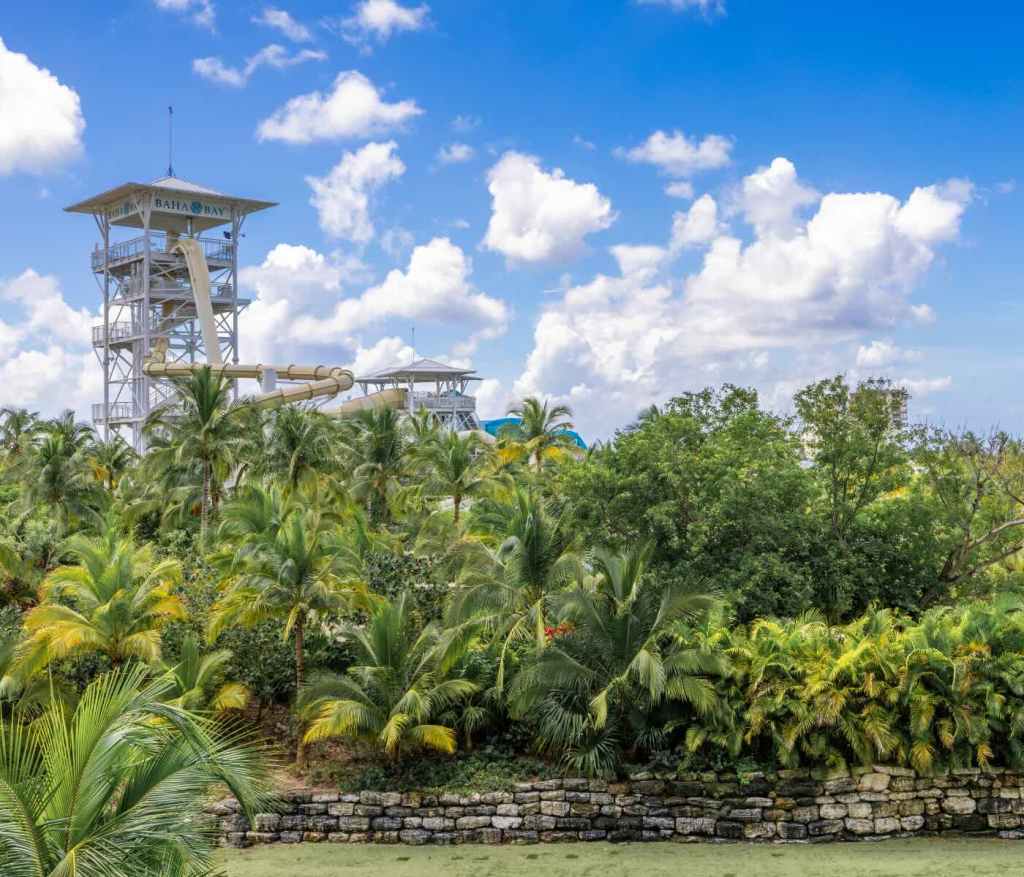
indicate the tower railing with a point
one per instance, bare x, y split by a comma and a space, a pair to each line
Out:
443, 403
215, 249
115, 411
117, 332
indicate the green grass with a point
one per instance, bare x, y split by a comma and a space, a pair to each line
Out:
924, 857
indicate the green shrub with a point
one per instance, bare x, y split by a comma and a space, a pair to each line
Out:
491, 768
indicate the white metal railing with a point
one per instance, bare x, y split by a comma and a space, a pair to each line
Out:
115, 410
444, 403
215, 249
117, 332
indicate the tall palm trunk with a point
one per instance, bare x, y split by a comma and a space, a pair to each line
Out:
204, 508
300, 671
456, 505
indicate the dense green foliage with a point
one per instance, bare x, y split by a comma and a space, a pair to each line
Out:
116, 785
716, 584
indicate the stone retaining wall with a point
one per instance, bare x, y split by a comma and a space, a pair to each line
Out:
866, 803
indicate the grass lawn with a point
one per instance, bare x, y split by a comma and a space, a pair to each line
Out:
924, 857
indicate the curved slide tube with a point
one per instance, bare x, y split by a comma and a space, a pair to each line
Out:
322, 380
199, 275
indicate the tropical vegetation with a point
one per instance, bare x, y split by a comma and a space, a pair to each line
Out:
717, 583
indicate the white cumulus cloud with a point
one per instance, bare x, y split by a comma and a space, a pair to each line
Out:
677, 155
882, 354
679, 189
633, 338
382, 19
921, 387
303, 307
772, 196
41, 121
384, 353
46, 360
707, 7
278, 57
435, 287
342, 198
353, 108
696, 226
397, 242
200, 12
282, 21
293, 281
540, 216
455, 153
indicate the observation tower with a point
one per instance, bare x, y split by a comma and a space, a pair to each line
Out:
169, 293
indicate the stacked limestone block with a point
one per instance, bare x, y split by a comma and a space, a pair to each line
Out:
866, 803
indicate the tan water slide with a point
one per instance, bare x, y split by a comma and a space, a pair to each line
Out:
321, 380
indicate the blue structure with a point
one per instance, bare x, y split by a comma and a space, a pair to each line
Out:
494, 427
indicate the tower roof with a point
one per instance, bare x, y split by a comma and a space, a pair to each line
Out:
420, 370
176, 203
180, 185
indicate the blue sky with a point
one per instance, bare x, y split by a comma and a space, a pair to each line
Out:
844, 189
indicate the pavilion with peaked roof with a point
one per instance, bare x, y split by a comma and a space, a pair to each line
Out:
424, 384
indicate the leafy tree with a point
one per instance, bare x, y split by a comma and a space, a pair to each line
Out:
854, 437
542, 431
857, 444
118, 785
714, 482
399, 683
121, 597
977, 489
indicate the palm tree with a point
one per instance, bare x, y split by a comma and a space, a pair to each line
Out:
55, 475
25, 693
109, 460
194, 680
77, 436
18, 575
121, 595
300, 444
201, 438
508, 590
543, 431
377, 447
611, 662
16, 430
280, 563
398, 685
118, 786
451, 465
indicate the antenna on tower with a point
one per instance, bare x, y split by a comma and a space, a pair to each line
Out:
414, 343
170, 141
